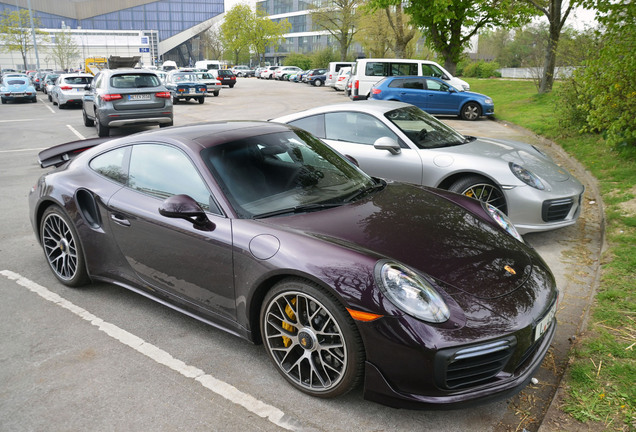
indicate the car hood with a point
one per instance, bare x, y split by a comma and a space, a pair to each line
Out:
427, 232
511, 151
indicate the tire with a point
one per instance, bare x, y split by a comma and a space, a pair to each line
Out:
34, 100
50, 98
301, 347
61, 106
4, 101
87, 122
231, 85
480, 188
318, 83
471, 111
62, 248
216, 93
201, 100
102, 130
163, 125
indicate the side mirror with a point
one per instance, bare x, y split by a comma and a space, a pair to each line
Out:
386, 143
184, 207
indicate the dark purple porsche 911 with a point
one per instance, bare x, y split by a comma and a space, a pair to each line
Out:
427, 297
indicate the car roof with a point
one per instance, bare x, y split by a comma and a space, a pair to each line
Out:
377, 107
209, 134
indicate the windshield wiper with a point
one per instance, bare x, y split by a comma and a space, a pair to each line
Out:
298, 209
364, 191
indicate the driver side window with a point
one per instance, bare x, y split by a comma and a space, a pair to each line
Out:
163, 171
355, 127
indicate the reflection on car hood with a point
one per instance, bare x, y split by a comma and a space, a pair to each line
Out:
511, 151
426, 232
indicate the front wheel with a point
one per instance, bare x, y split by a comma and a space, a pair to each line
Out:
62, 248
311, 339
471, 111
318, 83
482, 189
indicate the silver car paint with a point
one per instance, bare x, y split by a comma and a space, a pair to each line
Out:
486, 157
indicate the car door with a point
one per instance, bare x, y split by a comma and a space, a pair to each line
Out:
173, 258
354, 134
440, 100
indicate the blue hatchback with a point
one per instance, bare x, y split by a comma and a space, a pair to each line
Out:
433, 96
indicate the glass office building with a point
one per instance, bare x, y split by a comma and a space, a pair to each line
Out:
176, 24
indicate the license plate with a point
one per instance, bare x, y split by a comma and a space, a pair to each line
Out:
17, 94
139, 97
544, 324
192, 91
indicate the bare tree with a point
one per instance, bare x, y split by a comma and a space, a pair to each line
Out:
64, 50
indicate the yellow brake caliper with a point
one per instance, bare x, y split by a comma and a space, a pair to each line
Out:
290, 328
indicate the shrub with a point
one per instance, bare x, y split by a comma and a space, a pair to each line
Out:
295, 59
481, 69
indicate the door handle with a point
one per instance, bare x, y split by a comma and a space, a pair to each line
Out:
119, 220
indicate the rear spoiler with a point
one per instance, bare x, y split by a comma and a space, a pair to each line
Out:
59, 154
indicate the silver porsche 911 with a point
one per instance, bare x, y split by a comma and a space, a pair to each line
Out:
398, 141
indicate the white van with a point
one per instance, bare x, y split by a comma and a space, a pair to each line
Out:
208, 65
367, 72
169, 65
333, 70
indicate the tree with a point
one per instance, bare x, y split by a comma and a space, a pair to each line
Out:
266, 33
211, 44
601, 94
15, 32
449, 25
340, 18
384, 30
236, 28
64, 50
553, 10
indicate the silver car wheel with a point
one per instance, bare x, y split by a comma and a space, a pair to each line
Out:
481, 189
471, 111
310, 340
62, 249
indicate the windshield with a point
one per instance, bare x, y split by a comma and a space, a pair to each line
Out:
184, 77
423, 129
283, 172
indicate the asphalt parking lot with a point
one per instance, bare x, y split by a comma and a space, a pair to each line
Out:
103, 358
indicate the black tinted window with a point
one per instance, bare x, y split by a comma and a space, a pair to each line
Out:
78, 80
164, 171
134, 80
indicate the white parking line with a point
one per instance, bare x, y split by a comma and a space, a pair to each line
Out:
23, 150
76, 132
223, 389
48, 106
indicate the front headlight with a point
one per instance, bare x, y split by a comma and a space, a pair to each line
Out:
411, 293
488, 101
526, 176
503, 220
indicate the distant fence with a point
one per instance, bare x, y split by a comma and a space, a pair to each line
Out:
529, 73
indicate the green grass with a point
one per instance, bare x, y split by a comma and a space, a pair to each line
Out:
601, 384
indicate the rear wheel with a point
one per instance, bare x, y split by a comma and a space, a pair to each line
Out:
62, 248
311, 339
87, 121
201, 100
480, 188
216, 93
102, 129
163, 125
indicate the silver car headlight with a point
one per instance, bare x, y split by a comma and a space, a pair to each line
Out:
526, 176
411, 293
488, 101
503, 221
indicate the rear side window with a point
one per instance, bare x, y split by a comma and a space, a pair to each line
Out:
112, 164
390, 69
315, 125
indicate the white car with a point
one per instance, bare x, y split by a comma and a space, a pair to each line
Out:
69, 89
283, 72
342, 79
213, 84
